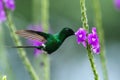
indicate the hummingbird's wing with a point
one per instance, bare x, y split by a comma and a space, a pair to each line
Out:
33, 35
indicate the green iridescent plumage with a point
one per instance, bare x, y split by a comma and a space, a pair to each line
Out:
51, 42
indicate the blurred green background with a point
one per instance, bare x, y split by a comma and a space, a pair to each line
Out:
70, 61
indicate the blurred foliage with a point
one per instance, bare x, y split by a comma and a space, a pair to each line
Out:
68, 62
69, 10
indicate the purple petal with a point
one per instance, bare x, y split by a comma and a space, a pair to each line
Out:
2, 16
96, 50
81, 35
1, 5
2, 13
35, 42
90, 38
94, 30
10, 4
84, 44
117, 4
93, 39
35, 27
37, 52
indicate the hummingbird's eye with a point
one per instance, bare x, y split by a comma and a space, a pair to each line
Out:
67, 29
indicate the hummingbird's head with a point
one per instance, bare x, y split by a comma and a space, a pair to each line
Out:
68, 31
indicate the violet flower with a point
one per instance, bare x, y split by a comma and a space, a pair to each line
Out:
117, 4
2, 12
91, 38
81, 36
9, 4
35, 42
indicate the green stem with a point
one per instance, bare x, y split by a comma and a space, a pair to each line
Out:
0, 75
22, 53
3, 55
36, 19
4, 77
98, 23
91, 59
36, 11
45, 25
45, 14
46, 63
86, 26
84, 15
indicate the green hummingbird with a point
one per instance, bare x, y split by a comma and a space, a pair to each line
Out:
51, 42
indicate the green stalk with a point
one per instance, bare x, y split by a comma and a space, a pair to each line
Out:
3, 55
0, 75
36, 19
36, 11
84, 15
45, 14
91, 59
98, 23
21, 51
85, 25
4, 77
46, 63
45, 25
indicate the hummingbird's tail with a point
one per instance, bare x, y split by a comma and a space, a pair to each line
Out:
38, 47
23, 46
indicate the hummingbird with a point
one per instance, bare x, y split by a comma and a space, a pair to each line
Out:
51, 42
